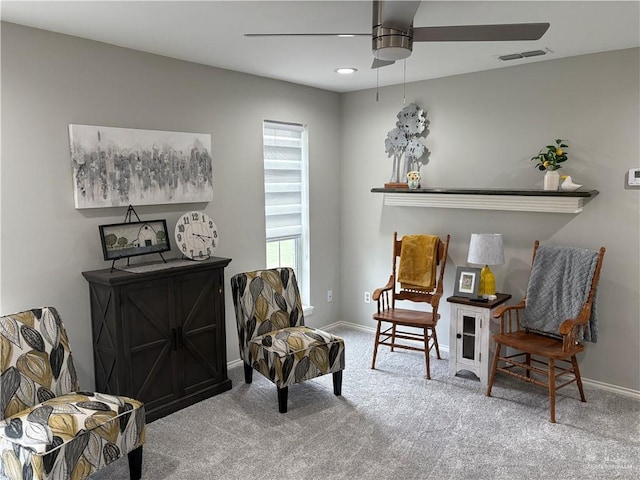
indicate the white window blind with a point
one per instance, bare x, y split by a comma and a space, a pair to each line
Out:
283, 177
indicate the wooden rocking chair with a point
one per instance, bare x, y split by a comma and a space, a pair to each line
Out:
556, 355
422, 323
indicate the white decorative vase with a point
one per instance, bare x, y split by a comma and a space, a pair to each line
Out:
551, 180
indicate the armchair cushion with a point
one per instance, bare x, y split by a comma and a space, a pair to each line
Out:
295, 354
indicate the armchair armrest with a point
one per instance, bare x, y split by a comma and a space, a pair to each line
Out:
378, 291
509, 313
570, 328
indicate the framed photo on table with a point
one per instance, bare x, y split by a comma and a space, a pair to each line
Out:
122, 240
467, 282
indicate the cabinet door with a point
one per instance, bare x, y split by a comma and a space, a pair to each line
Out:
150, 343
468, 336
201, 339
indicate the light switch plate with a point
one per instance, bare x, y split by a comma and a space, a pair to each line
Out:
633, 180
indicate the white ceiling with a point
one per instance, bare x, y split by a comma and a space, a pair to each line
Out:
211, 33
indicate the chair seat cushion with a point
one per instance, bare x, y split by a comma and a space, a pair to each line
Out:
50, 425
536, 344
294, 354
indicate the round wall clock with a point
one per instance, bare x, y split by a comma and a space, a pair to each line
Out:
196, 235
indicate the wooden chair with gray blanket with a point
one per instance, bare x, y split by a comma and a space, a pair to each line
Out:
417, 274
548, 327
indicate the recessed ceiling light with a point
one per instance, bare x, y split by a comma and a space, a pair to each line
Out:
346, 71
345, 35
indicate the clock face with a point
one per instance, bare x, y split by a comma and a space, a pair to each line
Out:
196, 235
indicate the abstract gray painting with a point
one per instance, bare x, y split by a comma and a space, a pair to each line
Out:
127, 166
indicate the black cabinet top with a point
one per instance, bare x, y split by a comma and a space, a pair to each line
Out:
108, 276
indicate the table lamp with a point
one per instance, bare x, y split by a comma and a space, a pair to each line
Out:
486, 249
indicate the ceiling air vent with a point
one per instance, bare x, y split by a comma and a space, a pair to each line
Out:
516, 56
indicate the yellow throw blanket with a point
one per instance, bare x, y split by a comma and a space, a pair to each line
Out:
418, 262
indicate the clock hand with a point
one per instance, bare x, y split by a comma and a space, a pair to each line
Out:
201, 236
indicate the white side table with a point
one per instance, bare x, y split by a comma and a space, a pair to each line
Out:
470, 345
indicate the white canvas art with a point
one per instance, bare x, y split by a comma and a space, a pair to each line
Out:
115, 167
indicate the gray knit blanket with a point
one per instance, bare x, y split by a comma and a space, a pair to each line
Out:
558, 288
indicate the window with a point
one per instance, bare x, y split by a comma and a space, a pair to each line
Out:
286, 199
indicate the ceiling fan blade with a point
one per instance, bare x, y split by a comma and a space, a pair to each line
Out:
394, 14
480, 33
377, 63
307, 34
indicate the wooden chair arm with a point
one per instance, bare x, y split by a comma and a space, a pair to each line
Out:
378, 291
508, 313
570, 328
501, 310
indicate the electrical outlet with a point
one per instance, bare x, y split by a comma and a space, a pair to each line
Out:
367, 297
329, 296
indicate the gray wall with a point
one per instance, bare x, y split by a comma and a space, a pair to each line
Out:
51, 80
484, 127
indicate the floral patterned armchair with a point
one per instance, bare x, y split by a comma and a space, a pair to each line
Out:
272, 335
48, 428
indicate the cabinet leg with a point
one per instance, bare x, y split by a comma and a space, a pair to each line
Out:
135, 463
337, 382
248, 373
283, 394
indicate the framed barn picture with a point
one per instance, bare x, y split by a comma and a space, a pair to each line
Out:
122, 240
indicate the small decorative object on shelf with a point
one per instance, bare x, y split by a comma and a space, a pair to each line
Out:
403, 139
549, 159
568, 185
413, 179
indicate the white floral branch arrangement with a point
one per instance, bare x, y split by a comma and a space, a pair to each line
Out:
403, 140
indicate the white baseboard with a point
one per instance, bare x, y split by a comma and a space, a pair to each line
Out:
627, 392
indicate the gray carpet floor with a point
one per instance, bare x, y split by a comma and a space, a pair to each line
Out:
392, 423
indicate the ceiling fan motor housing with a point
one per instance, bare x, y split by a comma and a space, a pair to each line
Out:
390, 43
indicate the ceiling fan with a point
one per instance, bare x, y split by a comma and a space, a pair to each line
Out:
393, 32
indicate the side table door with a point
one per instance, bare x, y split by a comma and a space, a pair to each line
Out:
468, 321
150, 341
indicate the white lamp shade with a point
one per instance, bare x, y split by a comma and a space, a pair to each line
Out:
486, 249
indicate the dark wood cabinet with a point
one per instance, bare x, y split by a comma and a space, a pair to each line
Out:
159, 336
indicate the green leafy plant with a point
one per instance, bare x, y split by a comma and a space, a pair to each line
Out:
551, 156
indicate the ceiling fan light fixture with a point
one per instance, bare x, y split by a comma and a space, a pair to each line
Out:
346, 70
391, 44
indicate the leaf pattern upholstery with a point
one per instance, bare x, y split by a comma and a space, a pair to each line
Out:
49, 429
271, 332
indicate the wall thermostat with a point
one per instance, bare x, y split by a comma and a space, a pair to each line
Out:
634, 177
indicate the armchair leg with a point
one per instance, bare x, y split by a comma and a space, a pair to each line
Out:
248, 373
283, 393
552, 391
576, 372
135, 463
337, 382
494, 367
426, 351
375, 346
435, 342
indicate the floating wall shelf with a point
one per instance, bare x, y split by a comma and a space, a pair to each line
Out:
489, 199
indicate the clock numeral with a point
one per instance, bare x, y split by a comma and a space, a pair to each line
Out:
200, 254
179, 236
215, 234
185, 219
213, 243
181, 228
195, 216
210, 223
208, 251
191, 253
184, 247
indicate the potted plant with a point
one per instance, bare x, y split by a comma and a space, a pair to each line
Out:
549, 160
